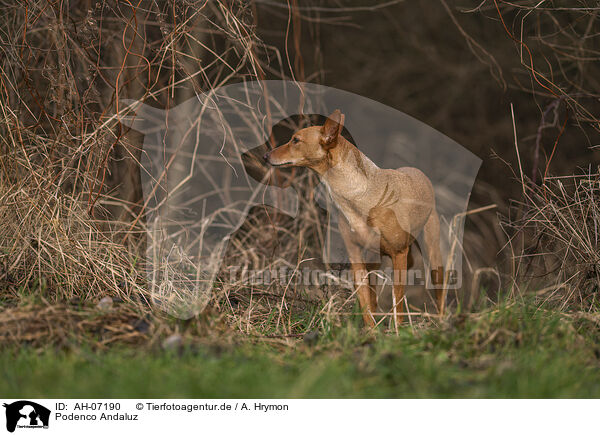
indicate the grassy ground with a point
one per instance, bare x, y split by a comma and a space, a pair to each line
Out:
511, 351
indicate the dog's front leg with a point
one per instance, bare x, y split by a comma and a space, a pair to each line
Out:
400, 260
367, 298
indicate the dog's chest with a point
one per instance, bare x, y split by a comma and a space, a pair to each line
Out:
349, 189
361, 232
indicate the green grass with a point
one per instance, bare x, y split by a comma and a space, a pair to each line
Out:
508, 352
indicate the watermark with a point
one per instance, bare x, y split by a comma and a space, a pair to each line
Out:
315, 277
124, 416
203, 171
25, 414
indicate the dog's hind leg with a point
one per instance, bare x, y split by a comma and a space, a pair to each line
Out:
431, 237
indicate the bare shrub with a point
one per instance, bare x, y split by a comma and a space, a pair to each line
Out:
71, 204
558, 229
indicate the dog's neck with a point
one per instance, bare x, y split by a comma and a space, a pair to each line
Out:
346, 171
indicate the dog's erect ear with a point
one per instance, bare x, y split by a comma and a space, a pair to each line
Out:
332, 129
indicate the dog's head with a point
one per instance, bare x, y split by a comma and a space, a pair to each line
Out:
309, 146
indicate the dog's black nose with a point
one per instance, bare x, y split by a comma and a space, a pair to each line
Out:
266, 157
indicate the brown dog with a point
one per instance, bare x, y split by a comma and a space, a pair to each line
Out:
381, 209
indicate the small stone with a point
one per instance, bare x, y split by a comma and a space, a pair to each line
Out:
172, 342
105, 303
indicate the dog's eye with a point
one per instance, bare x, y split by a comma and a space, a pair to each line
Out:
295, 140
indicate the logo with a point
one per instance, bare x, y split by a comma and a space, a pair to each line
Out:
26, 414
204, 176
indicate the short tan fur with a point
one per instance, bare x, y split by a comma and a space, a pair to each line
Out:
382, 210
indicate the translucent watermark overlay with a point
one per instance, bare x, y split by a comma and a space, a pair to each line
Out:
317, 277
201, 176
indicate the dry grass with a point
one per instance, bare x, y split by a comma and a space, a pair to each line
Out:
71, 206
558, 231
63, 325
70, 194
50, 245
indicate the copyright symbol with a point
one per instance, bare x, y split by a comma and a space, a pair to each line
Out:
139, 406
